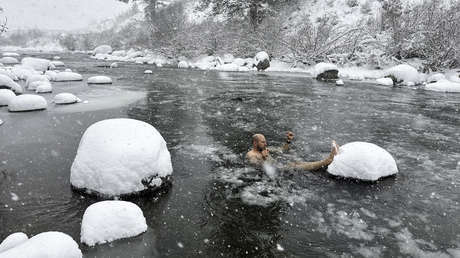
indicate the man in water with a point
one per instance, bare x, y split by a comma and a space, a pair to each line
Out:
260, 153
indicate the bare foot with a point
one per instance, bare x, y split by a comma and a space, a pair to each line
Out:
335, 148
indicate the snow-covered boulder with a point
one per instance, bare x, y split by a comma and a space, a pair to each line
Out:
262, 61
13, 240
339, 83
112, 160
228, 58
27, 102
385, 81
6, 96
239, 61
103, 49
68, 76
8, 60
44, 88
183, 65
114, 65
107, 221
119, 53
57, 64
205, 62
99, 80
51, 75
10, 54
148, 72
9, 73
38, 64
34, 80
364, 161
8, 83
56, 58
403, 73
22, 72
436, 77
70, 70
326, 71
65, 98
443, 86
45, 245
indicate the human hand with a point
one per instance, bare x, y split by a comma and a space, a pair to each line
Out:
265, 153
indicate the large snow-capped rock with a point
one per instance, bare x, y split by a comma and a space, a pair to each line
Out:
8, 60
38, 64
23, 72
364, 161
403, 73
8, 83
45, 245
6, 96
65, 98
68, 76
262, 61
443, 86
107, 221
12, 241
27, 102
121, 156
103, 49
34, 80
99, 80
326, 71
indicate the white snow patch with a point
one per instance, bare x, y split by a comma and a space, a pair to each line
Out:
99, 80
404, 72
8, 60
339, 83
103, 49
14, 197
68, 76
113, 160
13, 240
362, 160
385, 81
38, 64
183, 65
65, 98
27, 102
11, 54
6, 96
45, 245
107, 221
443, 86
114, 65
148, 72
436, 77
57, 63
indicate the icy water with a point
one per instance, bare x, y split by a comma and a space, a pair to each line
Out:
217, 207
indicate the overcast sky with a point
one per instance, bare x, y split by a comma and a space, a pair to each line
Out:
58, 14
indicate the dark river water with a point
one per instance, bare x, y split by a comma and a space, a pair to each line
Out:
216, 206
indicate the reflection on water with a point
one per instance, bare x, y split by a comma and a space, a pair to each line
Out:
217, 205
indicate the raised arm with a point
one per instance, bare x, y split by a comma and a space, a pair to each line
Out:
285, 147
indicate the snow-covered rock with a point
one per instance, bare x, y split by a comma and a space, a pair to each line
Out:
27, 102
403, 73
112, 160
443, 86
436, 77
183, 65
262, 61
119, 53
103, 49
38, 64
6, 96
239, 61
9, 73
68, 76
339, 83
45, 245
114, 65
51, 75
7, 82
68, 70
44, 88
205, 62
385, 81
57, 63
107, 221
22, 72
8, 60
56, 58
99, 80
10, 54
148, 72
326, 71
228, 58
65, 98
364, 161
34, 80
12, 241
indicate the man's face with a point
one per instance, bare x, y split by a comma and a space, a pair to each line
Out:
261, 143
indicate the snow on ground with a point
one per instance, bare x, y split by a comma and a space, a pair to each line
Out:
27, 102
6, 96
364, 161
99, 80
68, 76
443, 86
111, 160
45, 245
65, 98
107, 221
12, 241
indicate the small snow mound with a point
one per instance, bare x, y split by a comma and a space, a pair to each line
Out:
99, 80
436, 77
364, 161
68, 76
51, 75
228, 58
38, 64
56, 58
68, 70
404, 73
44, 88
6, 96
339, 83
103, 49
7, 82
183, 65
57, 63
34, 80
8, 60
107, 221
10, 54
324, 67
46, 245
27, 102
148, 72
13, 240
443, 86
262, 60
385, 81
65, 98
112, 160
10, 74
114, 65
